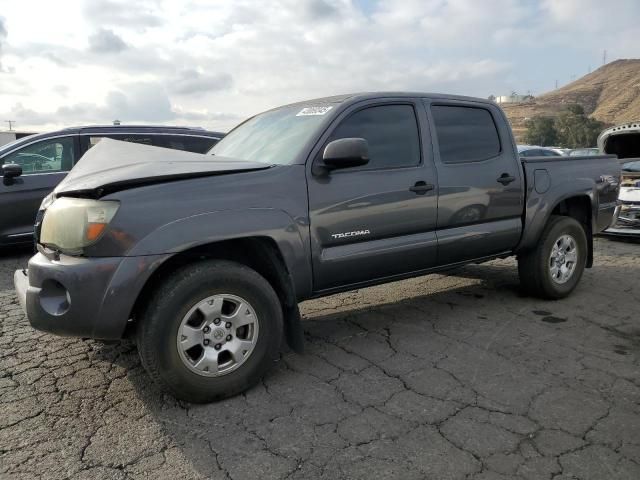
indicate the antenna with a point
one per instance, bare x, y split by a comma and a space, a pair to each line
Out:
10, 122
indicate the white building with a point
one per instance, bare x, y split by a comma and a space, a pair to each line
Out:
7, 136
513, 98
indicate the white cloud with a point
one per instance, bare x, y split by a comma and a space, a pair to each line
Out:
105, 41
213, 63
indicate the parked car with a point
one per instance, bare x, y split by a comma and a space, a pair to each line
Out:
584, 152
560, 150
624, 141
34, 165
527, 151
299, 202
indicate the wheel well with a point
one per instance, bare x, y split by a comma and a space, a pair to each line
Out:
259, 253
579, 208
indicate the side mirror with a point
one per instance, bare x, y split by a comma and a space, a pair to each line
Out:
10, 171
345, 153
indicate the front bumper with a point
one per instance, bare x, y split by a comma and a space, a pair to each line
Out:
626, 221
82, 297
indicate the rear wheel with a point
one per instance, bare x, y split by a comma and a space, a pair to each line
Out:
553, 269
210, 331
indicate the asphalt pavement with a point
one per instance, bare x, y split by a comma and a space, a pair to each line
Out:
440, 377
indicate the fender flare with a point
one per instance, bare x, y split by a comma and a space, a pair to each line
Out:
224, 225
539, 208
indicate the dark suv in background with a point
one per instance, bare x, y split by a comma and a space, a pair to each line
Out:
34, 165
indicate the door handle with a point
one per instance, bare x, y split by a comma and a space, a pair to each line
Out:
505, 179
420, 188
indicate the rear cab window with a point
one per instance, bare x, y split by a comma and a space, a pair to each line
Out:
465, 134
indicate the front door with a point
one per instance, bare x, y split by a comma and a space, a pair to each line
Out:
377, 220
44, 164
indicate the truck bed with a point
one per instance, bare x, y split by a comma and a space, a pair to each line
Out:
549, 180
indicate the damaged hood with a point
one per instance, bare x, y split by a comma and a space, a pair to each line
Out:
114, 165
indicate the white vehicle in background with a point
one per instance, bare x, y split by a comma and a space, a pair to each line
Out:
624, 141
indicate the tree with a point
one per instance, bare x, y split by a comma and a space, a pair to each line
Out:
575, 129
541, 131
570, 129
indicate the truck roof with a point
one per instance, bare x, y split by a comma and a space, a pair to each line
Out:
359, 96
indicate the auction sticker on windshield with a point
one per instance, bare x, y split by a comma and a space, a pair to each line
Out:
313, 111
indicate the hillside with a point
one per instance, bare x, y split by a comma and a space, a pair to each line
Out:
610, 94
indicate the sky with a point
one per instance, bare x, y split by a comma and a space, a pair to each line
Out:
213, 63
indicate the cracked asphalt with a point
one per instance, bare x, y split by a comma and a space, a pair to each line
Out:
440, 377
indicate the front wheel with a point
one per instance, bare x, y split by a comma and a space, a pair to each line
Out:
553, 269
210, 331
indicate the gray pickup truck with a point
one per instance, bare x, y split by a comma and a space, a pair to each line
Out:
204, 258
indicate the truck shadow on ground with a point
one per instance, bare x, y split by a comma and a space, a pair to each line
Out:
274, 426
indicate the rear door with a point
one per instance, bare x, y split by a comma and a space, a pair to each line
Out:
44, 164
371, 222
480, 182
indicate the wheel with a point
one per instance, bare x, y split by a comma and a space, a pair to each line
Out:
553, 269
210, 331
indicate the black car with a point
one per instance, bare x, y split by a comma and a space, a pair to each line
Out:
34, 165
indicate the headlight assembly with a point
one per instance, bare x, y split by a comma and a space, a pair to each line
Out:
70, 224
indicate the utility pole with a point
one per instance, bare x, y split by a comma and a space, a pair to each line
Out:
556, 84
604, 57
10, 122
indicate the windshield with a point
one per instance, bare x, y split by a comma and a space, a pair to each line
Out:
273, 137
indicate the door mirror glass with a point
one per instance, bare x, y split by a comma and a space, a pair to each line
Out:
345, 153
10, 171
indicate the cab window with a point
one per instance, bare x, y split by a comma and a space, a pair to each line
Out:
465, 134
391, 132
48, 156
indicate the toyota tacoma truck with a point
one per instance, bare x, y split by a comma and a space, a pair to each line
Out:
203, 258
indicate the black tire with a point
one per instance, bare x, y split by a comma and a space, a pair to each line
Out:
533, 266
157, 330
